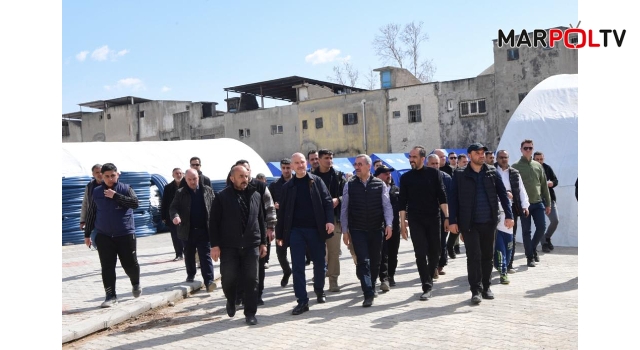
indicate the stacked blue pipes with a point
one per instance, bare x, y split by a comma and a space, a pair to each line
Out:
147, 217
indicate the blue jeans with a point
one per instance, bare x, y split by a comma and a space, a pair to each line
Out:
300, 240
536, 212
368, 248
502, 255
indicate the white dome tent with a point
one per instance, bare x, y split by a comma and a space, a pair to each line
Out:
160, 157
548, 115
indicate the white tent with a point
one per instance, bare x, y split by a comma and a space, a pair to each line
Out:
160, 157
549, 116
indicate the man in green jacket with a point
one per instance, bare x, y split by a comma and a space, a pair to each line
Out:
535, 183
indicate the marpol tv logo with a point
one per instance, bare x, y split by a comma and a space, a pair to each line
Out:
571, 38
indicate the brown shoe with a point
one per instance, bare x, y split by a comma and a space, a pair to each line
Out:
435, 275
441, 271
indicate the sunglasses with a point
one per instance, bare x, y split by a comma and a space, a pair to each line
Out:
453, 157
503, 157
527, 148
195, 164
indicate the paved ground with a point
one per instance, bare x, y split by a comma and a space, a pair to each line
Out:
538, 310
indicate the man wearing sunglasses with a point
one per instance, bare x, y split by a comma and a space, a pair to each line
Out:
195, 163
453, 160
535, 182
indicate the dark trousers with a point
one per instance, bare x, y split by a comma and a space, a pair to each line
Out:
110, 249
425, 236
443, 245
536, 212
281, 252
239, 266
389, 261
368, 248
177, 242
479, 242
198, 241
300, 239
451, 241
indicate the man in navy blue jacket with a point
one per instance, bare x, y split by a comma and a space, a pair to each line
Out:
305, 219
111, 213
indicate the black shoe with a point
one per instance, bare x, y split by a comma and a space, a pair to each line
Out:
211, 286
177, 258
367, 302
189, 279
456, 248
487, 294
300, 308
251, 320
392, 281
285, 280
452, 254
322, 298
136, 291
545, 248
109, 301
239, 304
549, 243
535, 257
475, 298
260, 301
530, 262
231, 308
425, 296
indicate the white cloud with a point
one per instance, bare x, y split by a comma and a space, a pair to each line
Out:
132, 84
166, 88
101, 53
324, 56
122, 52
82, 56
344, 59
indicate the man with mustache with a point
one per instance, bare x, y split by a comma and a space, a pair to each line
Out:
238, 238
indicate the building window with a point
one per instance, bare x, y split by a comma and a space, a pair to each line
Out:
385, 78
141, 114
241, 133
396, 114
247, 132
276, 129
414, 114
473, 107
521, 96
65, 128
449, 105
513, 54
350, 119
304, 124
318, 123
187, 108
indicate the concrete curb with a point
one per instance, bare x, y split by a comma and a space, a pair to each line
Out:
130, 309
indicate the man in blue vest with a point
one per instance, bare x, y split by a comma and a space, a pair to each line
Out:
111, 213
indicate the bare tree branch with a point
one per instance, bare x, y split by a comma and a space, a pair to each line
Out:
387, 44
372, 80
412, 37
345, 75
352, 74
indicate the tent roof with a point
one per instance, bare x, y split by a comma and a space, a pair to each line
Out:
160, 157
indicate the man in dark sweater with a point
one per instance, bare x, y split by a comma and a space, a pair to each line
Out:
167, 197
276, 190
474, 213
422, 195
305, 219
88, 191
111, 213
195, 164
390, 247
552, 181
238, 238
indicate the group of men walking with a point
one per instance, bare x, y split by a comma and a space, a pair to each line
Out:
310, 212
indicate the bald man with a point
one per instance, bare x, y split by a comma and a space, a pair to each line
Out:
190, 211
305, 219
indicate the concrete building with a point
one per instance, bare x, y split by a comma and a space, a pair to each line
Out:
347, 120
